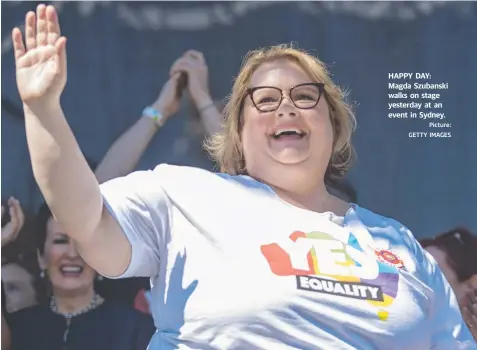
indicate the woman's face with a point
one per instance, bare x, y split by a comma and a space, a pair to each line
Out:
66, 270
19, 287
269, 157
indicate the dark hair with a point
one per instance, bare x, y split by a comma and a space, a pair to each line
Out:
41, 221
460, 247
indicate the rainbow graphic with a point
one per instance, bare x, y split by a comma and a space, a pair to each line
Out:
387, 280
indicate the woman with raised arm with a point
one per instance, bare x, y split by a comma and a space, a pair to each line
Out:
261, 256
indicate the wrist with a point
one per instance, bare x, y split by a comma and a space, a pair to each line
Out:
202, 100
155, 114
41, 108
161, 109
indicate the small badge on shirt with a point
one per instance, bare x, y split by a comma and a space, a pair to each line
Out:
388, 257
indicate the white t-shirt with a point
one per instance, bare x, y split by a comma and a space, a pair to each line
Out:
233, 266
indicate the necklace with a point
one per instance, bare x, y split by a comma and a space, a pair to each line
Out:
95, 302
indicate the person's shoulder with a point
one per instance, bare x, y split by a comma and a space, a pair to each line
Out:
383, 224
165, 170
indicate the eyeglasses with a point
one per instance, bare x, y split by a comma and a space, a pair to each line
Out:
303, 96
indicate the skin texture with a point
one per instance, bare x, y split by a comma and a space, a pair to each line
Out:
295, 168
19, 287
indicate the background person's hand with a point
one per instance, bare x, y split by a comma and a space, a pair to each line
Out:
167, 102
41, 66
193, 63
17, 219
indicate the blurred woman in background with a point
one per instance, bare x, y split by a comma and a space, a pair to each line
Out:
73, 315
456, 253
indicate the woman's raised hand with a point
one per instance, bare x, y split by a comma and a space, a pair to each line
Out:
41, 60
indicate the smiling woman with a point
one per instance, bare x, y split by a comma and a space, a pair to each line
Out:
73, 315
261, 256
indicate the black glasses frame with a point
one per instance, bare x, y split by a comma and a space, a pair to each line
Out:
320, 86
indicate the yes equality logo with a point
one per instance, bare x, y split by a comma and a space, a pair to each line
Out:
323, 264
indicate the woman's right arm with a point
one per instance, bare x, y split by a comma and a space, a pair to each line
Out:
61, 171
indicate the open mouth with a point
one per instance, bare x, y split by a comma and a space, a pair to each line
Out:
288, 133
71, 270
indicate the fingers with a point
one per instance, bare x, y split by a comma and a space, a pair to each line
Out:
18, 46
191, 60
61, 49
52, 25
41, 26
17, 219
182, 65
30, 30
196, 55
12, 227
18, 212
173, 80
14, 220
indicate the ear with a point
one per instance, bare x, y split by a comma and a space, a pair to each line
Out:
41, 260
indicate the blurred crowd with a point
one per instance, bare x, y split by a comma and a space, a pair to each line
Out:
50, 275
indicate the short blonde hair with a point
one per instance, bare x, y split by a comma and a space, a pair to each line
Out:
226, 147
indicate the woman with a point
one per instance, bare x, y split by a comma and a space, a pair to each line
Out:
267, 259
456, 253
19, 287
75, 316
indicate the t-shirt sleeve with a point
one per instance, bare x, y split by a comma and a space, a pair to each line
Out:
447, 327
140, 205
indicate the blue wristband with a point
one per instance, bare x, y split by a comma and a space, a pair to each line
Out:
154, 114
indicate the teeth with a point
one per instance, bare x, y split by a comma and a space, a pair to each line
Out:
280, 132
71, 269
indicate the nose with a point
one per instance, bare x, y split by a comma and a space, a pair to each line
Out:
286, 108
72, 252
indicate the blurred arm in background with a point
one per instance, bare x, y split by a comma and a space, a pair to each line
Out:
17, 219
194, 65
125, 153
9, 234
